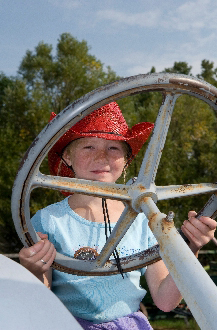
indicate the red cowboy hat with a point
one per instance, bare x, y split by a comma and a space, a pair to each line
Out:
106, 122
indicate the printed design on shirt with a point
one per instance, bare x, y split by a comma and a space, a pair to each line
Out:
90, 253
86, 253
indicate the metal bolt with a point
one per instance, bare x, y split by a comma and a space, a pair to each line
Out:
170, 216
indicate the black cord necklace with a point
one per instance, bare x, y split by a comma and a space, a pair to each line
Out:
106, 216
115, 252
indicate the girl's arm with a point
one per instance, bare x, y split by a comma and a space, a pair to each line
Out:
47, 278
38, 259
164, 292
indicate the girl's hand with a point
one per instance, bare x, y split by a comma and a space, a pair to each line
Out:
39, 257
198, 231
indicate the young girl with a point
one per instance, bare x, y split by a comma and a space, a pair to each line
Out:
100, 147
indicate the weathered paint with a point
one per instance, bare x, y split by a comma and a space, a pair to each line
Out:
166, 192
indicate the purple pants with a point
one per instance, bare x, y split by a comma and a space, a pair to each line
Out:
134, 321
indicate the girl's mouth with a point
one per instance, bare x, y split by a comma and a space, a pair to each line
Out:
99, 171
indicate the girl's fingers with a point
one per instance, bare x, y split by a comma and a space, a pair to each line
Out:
203, 223
198, 231
32, 250
46, 246
42, 236
48, 257
41, 250
192, 237
210, 223
191, 214
196, 226
38, 258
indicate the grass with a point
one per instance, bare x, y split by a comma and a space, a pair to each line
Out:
174, 324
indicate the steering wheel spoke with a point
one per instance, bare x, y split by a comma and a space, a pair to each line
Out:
153, 153
87, 187
176, 191
120, 229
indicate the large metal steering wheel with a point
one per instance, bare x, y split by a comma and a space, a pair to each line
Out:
141, 196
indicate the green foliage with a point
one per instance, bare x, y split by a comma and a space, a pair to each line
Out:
209, 73
65, 77
174, 323
180, 67
189, 154
4, 82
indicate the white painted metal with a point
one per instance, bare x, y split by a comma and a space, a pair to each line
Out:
194, 283
26, 304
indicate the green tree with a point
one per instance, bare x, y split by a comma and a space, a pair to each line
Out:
189, 154
4, 82
209, 73
9, 153
179, 67
68, 75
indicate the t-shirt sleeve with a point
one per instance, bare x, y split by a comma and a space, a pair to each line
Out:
43, 223
37, 224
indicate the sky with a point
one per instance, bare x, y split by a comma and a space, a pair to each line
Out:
130, 36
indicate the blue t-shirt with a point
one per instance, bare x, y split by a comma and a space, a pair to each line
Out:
95, 298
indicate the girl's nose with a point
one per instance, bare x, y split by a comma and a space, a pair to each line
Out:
101, 156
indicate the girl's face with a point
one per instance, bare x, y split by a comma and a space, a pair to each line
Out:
96, 159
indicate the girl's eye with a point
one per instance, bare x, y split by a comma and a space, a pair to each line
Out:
88, 147
113, 148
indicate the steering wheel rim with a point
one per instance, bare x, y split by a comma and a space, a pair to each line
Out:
29, 176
